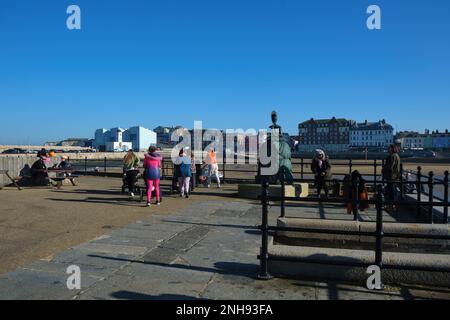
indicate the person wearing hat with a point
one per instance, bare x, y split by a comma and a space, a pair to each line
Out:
321, 168
39, 175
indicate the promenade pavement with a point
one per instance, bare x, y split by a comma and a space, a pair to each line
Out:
205, 249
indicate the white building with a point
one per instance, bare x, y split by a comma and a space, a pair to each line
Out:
121, 140
371, 134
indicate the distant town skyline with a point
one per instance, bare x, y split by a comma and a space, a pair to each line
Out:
294, 133
227, 63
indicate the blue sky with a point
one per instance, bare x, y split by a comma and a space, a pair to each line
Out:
226, 62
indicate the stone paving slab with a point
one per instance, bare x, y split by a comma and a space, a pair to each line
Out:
205, 251
150, 281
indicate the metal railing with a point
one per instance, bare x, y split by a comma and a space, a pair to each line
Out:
379, 233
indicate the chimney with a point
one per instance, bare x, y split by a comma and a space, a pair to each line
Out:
366, 122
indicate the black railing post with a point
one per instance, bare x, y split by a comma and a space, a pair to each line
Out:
419, 189
355, 197
264, 254
85, 165
402, 189
350, 166
375, 174
163, 169
104, 165
283, 192
224, 164
430, 194
446, 181
301, 170
379, 228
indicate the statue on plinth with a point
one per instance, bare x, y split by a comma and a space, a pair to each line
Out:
284, 171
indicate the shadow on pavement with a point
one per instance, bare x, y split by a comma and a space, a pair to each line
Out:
237, 226
224, 268
129, 295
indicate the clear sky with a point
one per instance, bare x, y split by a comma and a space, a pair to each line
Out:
226, 62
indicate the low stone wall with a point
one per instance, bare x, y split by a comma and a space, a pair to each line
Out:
14, 164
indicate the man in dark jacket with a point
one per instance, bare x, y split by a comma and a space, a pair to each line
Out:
391, 172
39, 175
321, 168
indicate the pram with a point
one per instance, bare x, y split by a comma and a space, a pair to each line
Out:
125, 181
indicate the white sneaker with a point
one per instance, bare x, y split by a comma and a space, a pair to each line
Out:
209, 186
149, 204
132, 194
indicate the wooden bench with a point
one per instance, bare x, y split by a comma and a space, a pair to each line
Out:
14, 181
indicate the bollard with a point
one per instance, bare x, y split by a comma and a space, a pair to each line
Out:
430, 194
446, 181
379, 228
419, 189
264, 255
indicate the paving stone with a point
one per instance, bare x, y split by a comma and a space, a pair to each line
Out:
150, 282
186, 239
38, 285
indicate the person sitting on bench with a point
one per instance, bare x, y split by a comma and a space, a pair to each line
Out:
64, 164
39, 175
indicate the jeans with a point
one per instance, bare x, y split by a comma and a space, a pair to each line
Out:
183, 182
213, 171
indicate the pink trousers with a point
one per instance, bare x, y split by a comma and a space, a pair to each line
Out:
150, 184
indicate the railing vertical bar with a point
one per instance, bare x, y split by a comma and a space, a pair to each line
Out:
419, 189
379, 228
264, 256
402, 186
283, 193
446, 182
430, 194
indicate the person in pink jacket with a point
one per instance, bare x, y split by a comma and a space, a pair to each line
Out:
152, 165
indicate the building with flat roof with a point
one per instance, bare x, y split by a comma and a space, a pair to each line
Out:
121, 140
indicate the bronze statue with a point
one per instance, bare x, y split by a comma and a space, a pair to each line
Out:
284, 151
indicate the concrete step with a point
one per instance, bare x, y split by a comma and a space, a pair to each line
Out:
253, 191
330, 263
357, 241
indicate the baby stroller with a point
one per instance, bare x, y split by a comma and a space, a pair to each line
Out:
125, 181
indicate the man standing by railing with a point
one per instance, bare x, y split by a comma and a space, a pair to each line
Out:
321, 167
391, 172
